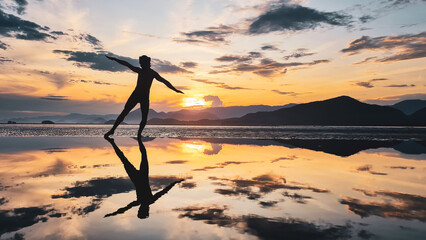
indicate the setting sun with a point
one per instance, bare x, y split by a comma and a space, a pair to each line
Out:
196, 102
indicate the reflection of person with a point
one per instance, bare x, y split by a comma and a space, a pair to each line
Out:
141, 93
140, 179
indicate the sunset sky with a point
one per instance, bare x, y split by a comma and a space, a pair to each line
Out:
220, 53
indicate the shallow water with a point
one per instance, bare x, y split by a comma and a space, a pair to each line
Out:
63, 187
252, 132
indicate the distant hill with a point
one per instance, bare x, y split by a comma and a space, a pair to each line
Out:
339, 111
208, 113
410, 106
419, 117
70, 118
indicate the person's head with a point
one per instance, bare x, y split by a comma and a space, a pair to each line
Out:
143, 211
145, 61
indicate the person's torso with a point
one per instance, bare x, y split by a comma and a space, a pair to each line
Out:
145, 78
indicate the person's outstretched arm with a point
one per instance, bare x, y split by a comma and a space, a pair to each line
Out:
165, 190
123, 209
167, 83
124, 63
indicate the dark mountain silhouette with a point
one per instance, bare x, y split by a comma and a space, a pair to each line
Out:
199, 114
339, 147
419, 117
410, 106
337, 111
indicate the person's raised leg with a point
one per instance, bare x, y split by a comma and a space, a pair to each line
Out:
130, 104
144, 110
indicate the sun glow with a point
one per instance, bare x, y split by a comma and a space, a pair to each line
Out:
196, 102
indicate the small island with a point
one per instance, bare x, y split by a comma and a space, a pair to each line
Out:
47, 122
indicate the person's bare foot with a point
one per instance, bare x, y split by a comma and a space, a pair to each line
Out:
108, 134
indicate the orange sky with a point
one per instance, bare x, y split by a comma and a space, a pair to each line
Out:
220, 53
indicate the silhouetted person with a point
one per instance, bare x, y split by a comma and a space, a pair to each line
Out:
140, 179
141, 92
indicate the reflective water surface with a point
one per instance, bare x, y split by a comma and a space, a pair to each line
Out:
79, 188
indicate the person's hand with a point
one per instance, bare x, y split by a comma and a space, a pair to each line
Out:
179, 91
110, 58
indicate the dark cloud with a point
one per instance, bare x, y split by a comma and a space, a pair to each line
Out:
106, 187
91, 207
257, 187
177, 162
400, 47
298, 53
58, 33
98, 61
3, 200
266, 68
284, 158
91, 39
92, 82
3, 59
269, 47
211, 35
402, 167
220, 85
368, 168
369, 83
264, 227
21, 6
366, 18
3, 45
392, 205
284, 93
239, 58
55, 98
13, 26
216, 148
18, 218
189, 64
268, 204
400, 85
188, 185
218, 165
215, 100
295, 18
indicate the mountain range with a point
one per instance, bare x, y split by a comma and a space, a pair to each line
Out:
341, 110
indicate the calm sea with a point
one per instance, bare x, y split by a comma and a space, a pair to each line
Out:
258, 132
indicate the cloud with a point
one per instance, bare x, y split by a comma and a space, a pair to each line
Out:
220, 85
400, 85
257, 187
18, 218
90, 39
369, 83
215, 100
98, 61
392, 205
189, 64
389, 100
298, 53
399, 48
269, 47
367, 168
3, 59
211, 35
266, 67
92, 82
3, 45
188, 185
288, 17
293, 157
13, 26
263, 227
176, 162
58, 168
218, 165
21, 6
13, 104
284, 93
